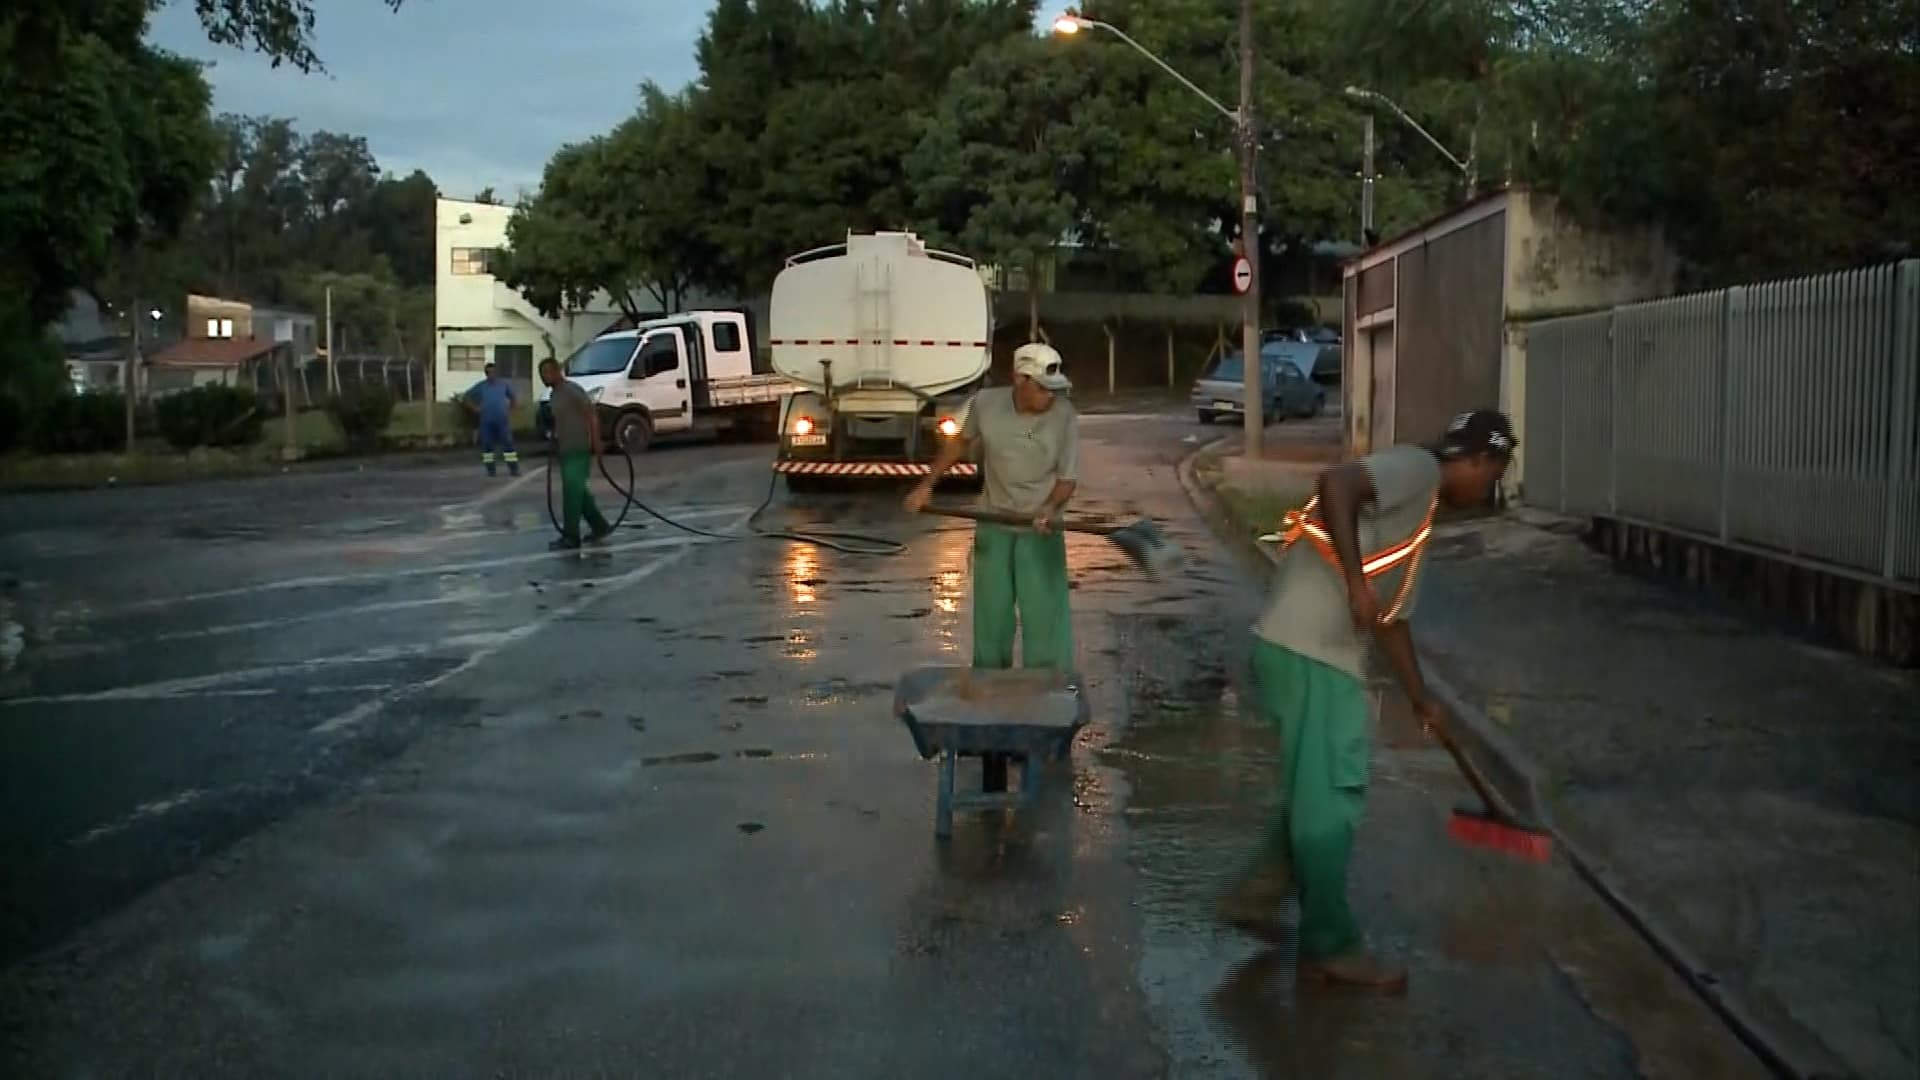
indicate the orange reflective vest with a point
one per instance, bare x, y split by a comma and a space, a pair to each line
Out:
1306, 522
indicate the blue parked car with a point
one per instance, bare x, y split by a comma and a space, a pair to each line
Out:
1288, 366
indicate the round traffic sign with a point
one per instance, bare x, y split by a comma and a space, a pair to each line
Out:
1242, 274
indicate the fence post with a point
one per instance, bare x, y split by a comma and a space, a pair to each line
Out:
1613, 413
1108, 329
1561, 368
1169, 356
1733, 307
1906, 359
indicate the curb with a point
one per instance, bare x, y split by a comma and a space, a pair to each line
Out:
1514, 775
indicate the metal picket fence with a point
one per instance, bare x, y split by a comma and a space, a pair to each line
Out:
1783, 416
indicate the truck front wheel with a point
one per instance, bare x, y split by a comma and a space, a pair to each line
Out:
632, 433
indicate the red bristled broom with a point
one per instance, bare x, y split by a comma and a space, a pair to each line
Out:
1495, 826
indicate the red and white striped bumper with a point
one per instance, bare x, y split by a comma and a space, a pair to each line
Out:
867, 468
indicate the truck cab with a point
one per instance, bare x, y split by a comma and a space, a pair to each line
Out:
685, 374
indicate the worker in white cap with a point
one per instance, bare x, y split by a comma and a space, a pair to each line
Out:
1027, 437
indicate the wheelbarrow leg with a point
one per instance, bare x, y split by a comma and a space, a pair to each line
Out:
943, 809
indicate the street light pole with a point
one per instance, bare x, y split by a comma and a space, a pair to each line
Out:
1247, 149
1366, 184
134, 315
1253, 372
1465, 167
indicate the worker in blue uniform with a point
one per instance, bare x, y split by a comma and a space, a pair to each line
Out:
493, 399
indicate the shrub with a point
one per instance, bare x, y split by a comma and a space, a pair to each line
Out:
209, 416
362, 413
79, 423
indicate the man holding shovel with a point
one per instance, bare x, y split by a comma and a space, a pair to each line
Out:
1028, 441
1349, 576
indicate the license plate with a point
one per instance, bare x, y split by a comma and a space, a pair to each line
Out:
1225, 406
809, 440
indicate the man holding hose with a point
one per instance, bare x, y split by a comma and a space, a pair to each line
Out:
576, 441
1348, 575
1028, 440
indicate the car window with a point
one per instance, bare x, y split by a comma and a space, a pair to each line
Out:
1226, 369
603, 356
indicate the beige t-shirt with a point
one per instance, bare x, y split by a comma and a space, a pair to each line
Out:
1023, 454
1307, 610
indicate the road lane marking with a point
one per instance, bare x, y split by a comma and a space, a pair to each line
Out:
518, 634
156, 808
496, 494
324, 580
192, 685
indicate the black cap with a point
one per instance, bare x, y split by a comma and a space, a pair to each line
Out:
1482, 431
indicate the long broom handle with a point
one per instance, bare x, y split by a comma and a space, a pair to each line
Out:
1496, 806
1001, 517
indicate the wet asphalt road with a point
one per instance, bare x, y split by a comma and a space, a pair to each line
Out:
350, 753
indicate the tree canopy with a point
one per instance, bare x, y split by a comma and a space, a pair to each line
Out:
111, 149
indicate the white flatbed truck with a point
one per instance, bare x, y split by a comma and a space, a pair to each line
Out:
685, 376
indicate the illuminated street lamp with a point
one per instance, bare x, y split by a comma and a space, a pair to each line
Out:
1071, 24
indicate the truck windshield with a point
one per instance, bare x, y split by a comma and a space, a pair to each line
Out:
602, 357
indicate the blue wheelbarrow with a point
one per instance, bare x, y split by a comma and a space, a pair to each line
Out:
997, 716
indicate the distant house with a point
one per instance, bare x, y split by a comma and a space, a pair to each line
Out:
478, 319
295, 329
231, 343
95, 349
249, 362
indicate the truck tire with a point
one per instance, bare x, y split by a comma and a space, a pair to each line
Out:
632, 433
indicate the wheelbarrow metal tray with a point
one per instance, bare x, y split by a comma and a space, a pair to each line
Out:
968, 712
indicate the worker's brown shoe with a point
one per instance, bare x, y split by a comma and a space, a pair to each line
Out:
1355, 970
1252, 905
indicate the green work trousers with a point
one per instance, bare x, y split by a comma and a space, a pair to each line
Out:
1321, 714
1020, 571
576, 468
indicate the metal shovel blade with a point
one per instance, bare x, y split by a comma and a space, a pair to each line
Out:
1150, 552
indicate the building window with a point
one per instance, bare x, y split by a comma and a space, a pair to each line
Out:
514, 361
219, 328
473, 260
466, 358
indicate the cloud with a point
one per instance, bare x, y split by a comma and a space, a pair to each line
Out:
479, 93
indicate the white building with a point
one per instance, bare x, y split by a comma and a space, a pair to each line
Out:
478, 319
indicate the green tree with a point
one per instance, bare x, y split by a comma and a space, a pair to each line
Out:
625, 213
809, 114
1005, 161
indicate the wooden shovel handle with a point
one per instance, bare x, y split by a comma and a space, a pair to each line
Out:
1001, 517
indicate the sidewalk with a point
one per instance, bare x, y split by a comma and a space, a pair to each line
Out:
1758, 796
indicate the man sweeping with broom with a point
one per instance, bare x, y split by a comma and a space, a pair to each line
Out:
1028, 435
1349, 575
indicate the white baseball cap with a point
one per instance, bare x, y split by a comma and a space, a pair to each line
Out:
1041, 363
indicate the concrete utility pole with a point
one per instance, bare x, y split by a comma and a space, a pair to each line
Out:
1253, 372
1366, 184
134, 315
333, 378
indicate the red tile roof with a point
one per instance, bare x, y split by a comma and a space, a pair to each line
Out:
211, 352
